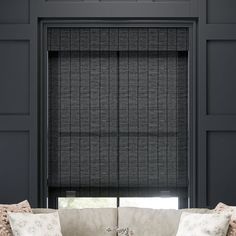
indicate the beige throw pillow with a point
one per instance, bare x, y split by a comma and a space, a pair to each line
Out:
223, 208
194, 224
5, 229
28, 224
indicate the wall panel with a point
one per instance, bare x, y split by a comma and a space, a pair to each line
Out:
221, 71
221, 164
14, 11
128, 9
221, 12
19, 79
216, 96
14, 168
14, 83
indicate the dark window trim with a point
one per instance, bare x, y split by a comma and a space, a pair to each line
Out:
42, 91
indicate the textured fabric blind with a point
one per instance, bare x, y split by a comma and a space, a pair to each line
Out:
118, 111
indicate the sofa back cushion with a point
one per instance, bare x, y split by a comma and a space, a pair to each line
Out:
150, 222
85, 222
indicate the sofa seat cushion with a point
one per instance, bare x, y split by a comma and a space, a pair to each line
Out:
85, 222
151, 222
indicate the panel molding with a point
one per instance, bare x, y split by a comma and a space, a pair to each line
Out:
220, 123
15, 32
117, 9
220, 32
173, 9
13, 170
212, 159
14, 123
17, 43
21, 13
214, 95
220, 13
202, 169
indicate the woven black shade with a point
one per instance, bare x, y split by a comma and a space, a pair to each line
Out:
118, 110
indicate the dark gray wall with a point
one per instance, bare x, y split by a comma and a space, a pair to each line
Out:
216, 69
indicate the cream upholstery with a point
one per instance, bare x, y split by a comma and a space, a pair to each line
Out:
149, 222
144, 222
85, 222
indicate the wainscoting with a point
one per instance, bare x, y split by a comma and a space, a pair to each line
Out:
20, 78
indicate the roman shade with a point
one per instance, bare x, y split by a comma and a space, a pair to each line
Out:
117, 111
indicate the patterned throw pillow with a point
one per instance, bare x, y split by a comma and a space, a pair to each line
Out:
5, 228
27, 224
195, 224
223, 208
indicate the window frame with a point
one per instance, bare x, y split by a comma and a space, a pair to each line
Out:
43, 101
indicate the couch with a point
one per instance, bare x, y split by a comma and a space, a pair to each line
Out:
143, 222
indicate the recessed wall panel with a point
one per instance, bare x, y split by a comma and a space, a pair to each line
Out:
221, 11
14, 82
14, 12
221, 82
14, 166
221, 164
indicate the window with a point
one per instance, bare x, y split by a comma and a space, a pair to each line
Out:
87, 202
150, 202
117, 114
